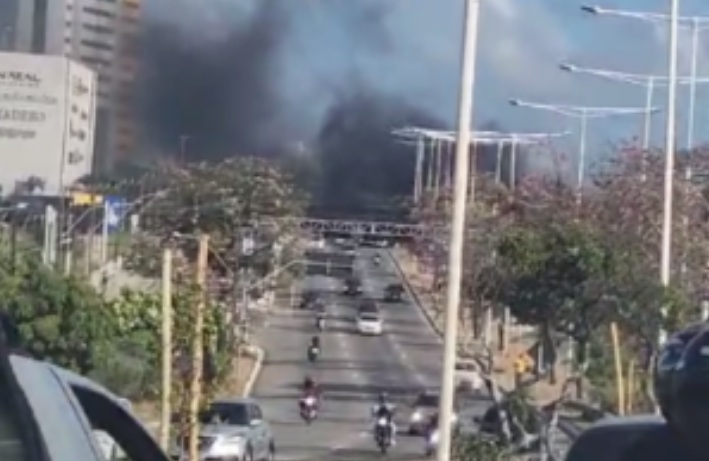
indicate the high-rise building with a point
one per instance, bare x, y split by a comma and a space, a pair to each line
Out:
102, 34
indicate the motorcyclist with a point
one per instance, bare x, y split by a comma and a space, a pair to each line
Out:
681, 381
310, 389
383, 409
314, 347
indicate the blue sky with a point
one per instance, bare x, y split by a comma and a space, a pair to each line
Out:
411, 50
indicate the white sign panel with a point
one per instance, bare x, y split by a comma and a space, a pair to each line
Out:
80, 123
34, 92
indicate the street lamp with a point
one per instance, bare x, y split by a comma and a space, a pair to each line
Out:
457, 231
582, 113
697, 24
648, 81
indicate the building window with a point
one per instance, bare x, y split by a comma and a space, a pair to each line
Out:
97, 45
98, 12
98, 29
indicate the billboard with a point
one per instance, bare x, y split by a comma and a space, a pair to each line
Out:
35, 103
80, 123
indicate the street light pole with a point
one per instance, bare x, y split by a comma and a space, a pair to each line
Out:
650, 90
582, 156
666, 245
584, 113
455, 252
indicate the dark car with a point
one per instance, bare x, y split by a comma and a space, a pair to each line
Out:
353, 286
369, 306
393, 293
309, 299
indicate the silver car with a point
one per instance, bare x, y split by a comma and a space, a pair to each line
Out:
232, 430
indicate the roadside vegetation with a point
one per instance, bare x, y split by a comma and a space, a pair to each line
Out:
576, 266
116, 341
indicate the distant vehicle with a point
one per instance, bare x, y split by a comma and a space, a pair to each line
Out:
467, 375
422, 409
353, 286
393, 293
368, 306
370, 323
309, 299
232, 429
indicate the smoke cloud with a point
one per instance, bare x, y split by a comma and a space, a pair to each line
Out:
252, 77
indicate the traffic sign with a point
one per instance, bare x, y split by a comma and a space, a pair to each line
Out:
114, 211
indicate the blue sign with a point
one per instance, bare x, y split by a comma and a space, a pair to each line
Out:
115, 209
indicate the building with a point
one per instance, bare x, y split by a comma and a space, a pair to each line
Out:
47, 121
102, 34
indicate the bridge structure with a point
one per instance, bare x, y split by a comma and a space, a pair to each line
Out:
363, 228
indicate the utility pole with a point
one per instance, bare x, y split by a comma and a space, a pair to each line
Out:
197, 349
166, 390
457, 231
68, 243
13, 241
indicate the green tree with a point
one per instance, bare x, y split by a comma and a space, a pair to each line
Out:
59, 319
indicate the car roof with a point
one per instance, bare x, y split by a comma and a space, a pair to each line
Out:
608, 438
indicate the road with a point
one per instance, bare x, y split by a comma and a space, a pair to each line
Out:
351, 370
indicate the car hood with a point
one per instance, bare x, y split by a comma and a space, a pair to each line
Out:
222, 430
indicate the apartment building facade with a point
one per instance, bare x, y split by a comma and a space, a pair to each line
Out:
103, 34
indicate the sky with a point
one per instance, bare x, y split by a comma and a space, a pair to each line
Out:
411, 49
520, 45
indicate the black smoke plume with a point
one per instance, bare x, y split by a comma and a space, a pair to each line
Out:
361, 161
220, 89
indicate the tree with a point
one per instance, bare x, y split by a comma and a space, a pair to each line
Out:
58, 318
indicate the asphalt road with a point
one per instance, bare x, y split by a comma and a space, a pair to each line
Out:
351, 370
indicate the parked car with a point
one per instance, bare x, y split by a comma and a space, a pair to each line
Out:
64, 416
232, 429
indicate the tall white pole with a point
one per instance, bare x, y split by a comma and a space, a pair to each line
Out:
455, 250
693, 84
650, 90
513, 164
498, 162
666, 244
582, 157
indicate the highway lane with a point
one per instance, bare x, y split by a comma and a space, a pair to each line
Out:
352, 370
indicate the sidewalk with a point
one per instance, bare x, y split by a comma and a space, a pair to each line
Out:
521, 338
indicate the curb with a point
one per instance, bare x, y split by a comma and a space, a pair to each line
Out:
255, 371
414, 296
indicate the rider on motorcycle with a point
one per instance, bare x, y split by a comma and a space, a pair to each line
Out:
682, 379
310, 389
383, 409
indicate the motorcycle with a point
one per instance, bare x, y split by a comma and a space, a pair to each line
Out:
432, 442
313, 353
308, 409
382, 434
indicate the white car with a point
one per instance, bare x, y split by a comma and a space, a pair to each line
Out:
369, 323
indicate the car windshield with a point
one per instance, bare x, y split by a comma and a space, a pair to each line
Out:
232, 414
427, 400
